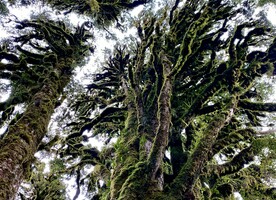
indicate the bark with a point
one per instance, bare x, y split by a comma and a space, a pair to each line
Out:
164, 121
126, 179
178, 156
22, 139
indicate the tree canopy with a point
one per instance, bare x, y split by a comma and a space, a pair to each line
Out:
180, 107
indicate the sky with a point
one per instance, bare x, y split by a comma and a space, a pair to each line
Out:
101, 44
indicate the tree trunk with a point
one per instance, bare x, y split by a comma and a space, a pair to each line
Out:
22, 139
141, 177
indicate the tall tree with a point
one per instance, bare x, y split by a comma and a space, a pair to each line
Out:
178, 98
182, 100
39, 68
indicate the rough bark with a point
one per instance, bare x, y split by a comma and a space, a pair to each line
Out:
164, 122
22, 139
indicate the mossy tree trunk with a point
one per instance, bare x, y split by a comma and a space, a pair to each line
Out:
23, 137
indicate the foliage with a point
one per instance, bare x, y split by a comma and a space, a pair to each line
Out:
188, 87
178, 107
102, 12
39, 63
44, 185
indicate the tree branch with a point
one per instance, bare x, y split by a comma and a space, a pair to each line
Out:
164, 117
236, 164
184, 182
257, 106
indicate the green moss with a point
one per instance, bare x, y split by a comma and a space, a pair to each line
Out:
135, 182
94, 5
261, 143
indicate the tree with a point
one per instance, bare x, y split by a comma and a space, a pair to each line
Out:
38, 75
184, 93
181, 95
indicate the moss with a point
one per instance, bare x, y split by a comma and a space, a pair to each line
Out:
94, 5
261, 143
134, 183
144, 147
125, 161
119, 179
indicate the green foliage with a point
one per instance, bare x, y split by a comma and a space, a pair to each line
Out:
43, 185
263, 2
266, 142
102, 12
182, 99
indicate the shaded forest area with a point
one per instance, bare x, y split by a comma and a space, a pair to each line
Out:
182, 108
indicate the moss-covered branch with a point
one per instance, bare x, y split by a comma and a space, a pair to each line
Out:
236, 164
164, 120
185, 181
257, 106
